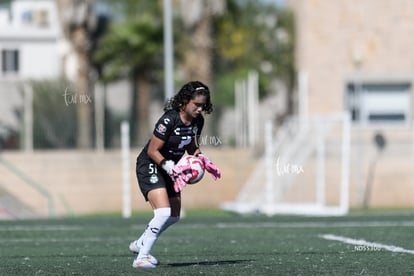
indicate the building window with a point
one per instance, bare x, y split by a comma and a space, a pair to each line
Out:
10, 61
27, 17
41, 18
38, 18
379, 103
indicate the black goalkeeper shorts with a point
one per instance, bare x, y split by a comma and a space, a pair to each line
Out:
150, 177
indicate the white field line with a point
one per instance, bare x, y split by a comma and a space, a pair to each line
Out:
47, 228
367, 244
274, 224
41, 228
69, 240
350, 224
317, 224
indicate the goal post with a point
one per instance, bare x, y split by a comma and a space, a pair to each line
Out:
126, 183
304, 169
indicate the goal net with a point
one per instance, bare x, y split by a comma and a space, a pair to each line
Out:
304, 169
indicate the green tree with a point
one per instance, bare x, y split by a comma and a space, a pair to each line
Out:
197, 62
78, 22
253, 35
133, 48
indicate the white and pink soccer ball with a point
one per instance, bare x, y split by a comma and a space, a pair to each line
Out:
196, 173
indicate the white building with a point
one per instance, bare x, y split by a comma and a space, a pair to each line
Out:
30, 36
31, 49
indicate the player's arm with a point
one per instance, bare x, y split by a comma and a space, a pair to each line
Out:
175, 172
154, 148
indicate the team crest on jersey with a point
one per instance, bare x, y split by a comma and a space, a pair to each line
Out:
195, 130
154, 179
161, 129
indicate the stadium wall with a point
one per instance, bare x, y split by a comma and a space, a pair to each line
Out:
87, 182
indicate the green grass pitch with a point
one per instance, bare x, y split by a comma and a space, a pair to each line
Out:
213, 243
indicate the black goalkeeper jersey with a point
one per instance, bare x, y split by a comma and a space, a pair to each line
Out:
176, 135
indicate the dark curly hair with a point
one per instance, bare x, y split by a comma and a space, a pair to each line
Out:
188, 92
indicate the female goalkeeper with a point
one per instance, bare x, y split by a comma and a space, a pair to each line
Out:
159, 178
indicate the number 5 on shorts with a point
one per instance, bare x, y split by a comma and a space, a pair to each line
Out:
152, 168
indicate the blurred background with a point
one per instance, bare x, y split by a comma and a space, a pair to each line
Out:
313, 106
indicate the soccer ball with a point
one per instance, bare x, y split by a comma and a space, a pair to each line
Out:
196, 173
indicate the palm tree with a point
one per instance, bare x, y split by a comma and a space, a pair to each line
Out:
133, 49
78, 21
197, 17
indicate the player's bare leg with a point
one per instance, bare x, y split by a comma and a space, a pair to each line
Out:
158, 198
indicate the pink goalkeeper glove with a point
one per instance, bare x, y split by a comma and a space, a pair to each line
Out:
180, 182
209, 166
176, 173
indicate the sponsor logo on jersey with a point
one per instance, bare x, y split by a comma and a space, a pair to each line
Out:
161, 129
185, 140
184, 131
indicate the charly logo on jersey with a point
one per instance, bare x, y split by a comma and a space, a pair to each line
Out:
154, 178
184, 131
